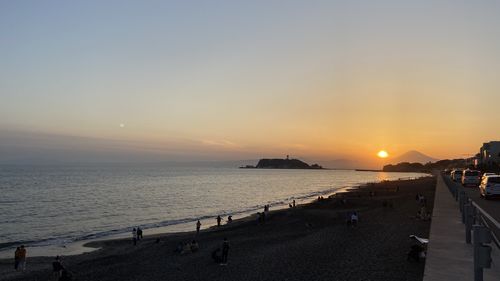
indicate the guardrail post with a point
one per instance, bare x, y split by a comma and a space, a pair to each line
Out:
482, 253
475, 219
461, 200
462, 203
469, 217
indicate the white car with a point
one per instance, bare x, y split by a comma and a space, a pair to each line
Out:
456, 175
490, 186
487, 174
471, 177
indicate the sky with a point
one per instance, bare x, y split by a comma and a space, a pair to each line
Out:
228, 80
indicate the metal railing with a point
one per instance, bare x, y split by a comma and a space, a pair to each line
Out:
479, 225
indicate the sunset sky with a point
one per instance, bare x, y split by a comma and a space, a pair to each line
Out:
222, 80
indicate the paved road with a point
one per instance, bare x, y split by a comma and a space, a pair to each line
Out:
491, 206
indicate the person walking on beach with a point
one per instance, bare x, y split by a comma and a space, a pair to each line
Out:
293, 203
139, 233
16, 258
22, 258
198, 226
225, 251
219, 219
229, 219
134, 236
57, 268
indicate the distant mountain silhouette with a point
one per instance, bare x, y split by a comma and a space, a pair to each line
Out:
412, 156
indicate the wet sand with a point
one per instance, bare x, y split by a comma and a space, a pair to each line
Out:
308, 242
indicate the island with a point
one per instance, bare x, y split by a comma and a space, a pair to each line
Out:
282, 164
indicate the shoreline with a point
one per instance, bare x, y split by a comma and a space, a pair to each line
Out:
81, 246
296, 229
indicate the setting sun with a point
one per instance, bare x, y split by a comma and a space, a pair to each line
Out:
382, 154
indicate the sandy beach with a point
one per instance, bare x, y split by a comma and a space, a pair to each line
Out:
308, 242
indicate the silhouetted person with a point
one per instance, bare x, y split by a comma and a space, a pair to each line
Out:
354, 219
194, 246
134, 236
229, 219
216, 256
179, 247
293, 203
225, 251
139, 233
57, 268
219, 219
17, 257
198, 226
22, 258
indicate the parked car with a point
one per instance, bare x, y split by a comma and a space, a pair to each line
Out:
490, 186
471, 178
456, 175
487, 174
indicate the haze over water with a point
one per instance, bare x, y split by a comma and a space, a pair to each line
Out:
55, 205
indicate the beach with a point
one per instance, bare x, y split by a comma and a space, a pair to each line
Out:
308, 242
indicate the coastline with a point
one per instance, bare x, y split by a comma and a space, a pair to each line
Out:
76, 246
79, 246
316, 214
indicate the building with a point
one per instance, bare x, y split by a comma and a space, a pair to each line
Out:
489, 153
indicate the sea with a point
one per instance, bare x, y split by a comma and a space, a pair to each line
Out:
55, 209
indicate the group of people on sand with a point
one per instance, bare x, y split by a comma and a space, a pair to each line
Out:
20, 258
222, 258
292, 205
187, 247
219, 220
193, 246
353, 219
136, 235
59, 273
422, 212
